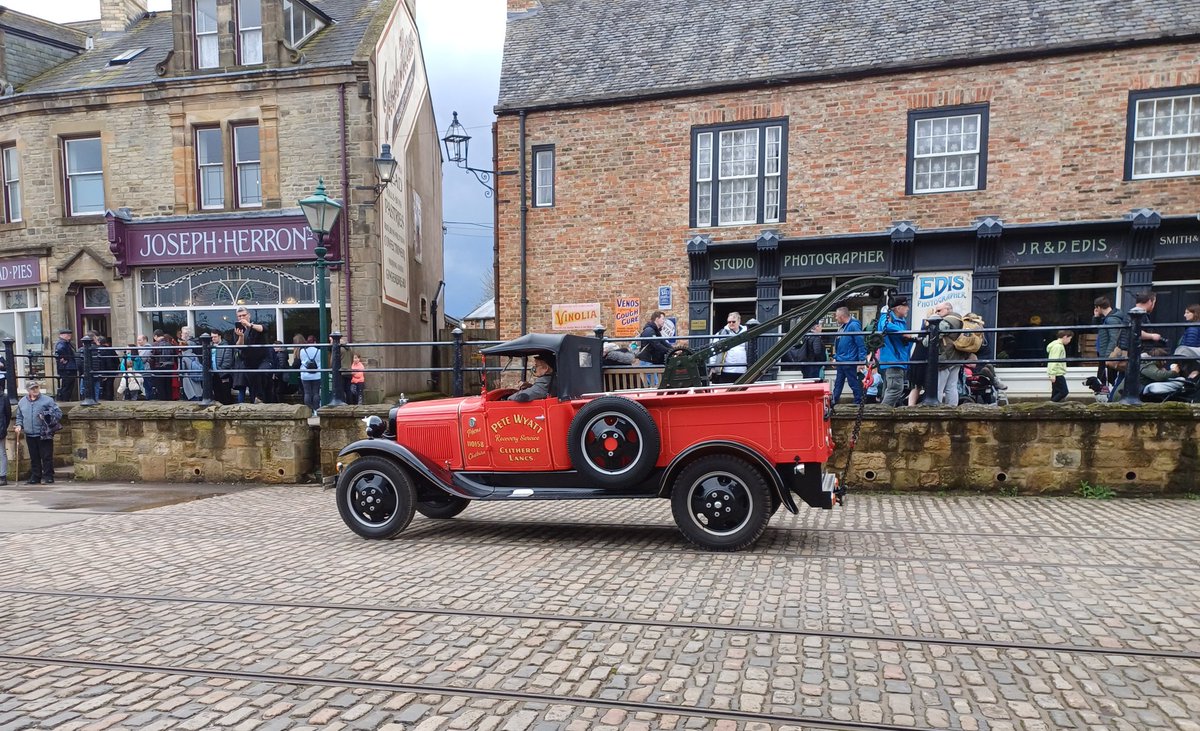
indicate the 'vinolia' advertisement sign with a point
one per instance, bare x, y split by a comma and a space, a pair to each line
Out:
577, 316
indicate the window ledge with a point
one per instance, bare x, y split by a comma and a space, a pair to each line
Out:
14, 226
92, 220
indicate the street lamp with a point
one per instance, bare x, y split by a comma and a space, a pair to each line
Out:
321, 211
385, 170
457, 143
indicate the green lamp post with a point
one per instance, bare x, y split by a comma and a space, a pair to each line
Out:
322, 213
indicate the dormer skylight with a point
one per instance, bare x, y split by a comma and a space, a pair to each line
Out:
300, 22
126, 57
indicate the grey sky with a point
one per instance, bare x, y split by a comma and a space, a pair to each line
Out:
462, 42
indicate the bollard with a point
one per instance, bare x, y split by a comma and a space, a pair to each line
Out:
933, 328
457, 333
206, 372
10, 370
1133, 367
337, 395
89, 379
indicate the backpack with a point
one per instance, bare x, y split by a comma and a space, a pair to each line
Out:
969, 342
311, 362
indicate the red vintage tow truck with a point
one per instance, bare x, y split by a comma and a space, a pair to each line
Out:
726, 456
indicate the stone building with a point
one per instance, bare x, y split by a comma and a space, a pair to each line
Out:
153, 162
1020, 158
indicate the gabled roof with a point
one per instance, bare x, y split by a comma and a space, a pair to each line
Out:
485, 311
569, 52
334, 45
28, 25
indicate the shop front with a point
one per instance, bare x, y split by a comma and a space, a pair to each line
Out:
21, 308
196, 272
1020, 276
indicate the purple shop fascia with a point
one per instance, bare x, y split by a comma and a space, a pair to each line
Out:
267, 238
23, 272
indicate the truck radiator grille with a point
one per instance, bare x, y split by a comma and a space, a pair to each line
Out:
434, 442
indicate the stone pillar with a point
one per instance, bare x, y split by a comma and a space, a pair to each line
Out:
984, 299
903, 235
1138, 274
767, 305
699, 289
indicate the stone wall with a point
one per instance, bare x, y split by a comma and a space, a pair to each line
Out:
341, 425
1041, 449
182, 442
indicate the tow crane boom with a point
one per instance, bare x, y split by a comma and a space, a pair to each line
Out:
688, 368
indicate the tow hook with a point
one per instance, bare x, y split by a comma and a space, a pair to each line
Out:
833, 487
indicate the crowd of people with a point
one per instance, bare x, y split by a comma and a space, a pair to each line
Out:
900, 377
169, 367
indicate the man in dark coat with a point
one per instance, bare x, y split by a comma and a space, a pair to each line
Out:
68, 367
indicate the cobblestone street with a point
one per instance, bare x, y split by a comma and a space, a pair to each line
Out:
260, 610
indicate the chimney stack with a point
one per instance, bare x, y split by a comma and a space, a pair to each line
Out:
523, 6
117, 15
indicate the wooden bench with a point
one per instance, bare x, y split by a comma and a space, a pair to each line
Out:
627, 378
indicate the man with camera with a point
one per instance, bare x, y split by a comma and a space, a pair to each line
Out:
252, 334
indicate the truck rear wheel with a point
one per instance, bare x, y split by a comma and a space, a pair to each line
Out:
376, 497
613, 441
442, 506
721, 503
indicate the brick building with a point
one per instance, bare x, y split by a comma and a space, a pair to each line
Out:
1017, 156
153, 163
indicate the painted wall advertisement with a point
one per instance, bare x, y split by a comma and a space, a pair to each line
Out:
400, 87
934, 288
628, 317
577, 316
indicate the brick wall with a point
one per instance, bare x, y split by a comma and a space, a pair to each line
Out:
620, 221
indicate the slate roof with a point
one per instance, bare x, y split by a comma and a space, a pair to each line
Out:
565, 52
485, 311
23, 23
334, 45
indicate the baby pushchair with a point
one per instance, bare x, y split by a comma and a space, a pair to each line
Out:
979, 385
1184, 387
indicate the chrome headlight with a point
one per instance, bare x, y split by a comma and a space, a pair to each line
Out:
375, 426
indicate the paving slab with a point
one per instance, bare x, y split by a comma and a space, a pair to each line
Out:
258, 608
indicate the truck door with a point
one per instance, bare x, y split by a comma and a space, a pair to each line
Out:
517, 436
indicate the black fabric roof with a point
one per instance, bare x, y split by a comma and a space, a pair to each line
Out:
578, 51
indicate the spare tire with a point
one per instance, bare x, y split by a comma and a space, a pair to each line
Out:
613, 441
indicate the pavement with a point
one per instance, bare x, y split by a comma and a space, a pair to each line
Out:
259, 610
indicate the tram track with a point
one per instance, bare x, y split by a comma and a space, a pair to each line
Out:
453, 691
615, 621
546, 525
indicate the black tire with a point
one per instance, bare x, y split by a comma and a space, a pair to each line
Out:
442, 506
721, 503
376, 497
613, 441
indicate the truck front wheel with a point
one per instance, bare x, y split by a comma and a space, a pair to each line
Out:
721, 503
376, 497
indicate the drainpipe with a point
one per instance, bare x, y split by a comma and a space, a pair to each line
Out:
524, 232
348, 336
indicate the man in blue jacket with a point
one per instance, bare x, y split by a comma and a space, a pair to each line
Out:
849, 351
893, 356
